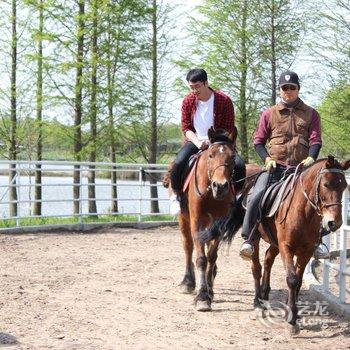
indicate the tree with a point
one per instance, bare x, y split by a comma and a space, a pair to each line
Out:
230, 55
148, 110
335, 114
281, 25
154, 111
330, 46
93, 108
120, 48
78, 101
38, 37
13, 112
39, 111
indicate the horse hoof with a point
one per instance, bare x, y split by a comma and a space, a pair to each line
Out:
186, 289
203, 305
293, 329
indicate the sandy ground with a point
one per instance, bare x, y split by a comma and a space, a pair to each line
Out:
117, 289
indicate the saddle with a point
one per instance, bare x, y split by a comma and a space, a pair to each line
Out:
271, 201
187, 174
275, 195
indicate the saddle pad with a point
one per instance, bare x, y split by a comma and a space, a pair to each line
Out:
190, 170
273, 201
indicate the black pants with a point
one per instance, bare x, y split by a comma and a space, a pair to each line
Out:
187, 150
182, 158
251, 217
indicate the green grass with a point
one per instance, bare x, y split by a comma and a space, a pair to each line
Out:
85, 219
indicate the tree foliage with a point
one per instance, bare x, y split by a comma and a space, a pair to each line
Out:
335, 113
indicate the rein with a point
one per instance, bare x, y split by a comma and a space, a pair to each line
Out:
249, 176
318, 204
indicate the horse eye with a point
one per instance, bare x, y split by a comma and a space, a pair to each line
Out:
326, 184
210, 155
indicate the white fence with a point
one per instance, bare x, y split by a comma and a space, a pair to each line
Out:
133, 188
334, 273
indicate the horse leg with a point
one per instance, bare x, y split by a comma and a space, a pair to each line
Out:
188, 283
300, 268
212, 255
292, 282
256, 271
202, 299
270, 256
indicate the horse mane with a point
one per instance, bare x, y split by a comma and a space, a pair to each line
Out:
336, 165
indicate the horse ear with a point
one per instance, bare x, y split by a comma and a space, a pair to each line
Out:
211, 134
233, 135
330, 161
345, 164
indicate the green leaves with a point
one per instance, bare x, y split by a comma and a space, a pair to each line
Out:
335, 115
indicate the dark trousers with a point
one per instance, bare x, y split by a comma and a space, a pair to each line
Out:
184, 155
252, 216
187, 150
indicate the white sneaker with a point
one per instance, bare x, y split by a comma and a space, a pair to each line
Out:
174, 205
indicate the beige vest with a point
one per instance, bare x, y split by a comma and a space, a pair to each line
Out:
289, 140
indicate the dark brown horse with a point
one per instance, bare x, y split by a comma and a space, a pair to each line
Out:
315, 201
208, 195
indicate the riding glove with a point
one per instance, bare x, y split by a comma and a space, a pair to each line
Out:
307, 161
269, 163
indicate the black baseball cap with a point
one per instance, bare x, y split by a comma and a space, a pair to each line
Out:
289, 78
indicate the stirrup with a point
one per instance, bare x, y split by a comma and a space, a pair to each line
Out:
321, 251
246, 251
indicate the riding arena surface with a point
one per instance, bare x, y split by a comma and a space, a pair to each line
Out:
117, 288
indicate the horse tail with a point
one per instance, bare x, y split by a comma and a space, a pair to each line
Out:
166, 176
234, 221
225, 228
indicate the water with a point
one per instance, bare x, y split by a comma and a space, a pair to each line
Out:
60, 189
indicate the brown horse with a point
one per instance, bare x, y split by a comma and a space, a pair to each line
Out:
315, 201
208, 195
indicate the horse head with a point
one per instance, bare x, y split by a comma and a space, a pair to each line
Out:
220, 162
329, 185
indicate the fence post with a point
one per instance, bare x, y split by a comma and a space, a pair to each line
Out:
343, 243
326, 241
18, 190
80, 218
140, 194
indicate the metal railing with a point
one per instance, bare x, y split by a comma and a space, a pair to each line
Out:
336, 270
133, 188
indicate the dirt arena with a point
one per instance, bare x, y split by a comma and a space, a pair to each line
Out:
117, 289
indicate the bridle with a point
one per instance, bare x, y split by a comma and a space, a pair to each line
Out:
317, 203
211, 172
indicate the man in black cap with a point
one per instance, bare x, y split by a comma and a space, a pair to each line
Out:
293, 132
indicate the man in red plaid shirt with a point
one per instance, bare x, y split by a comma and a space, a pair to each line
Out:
201, 109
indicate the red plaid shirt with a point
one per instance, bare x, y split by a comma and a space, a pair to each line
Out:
224, 115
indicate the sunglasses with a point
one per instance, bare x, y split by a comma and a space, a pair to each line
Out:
288, 87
